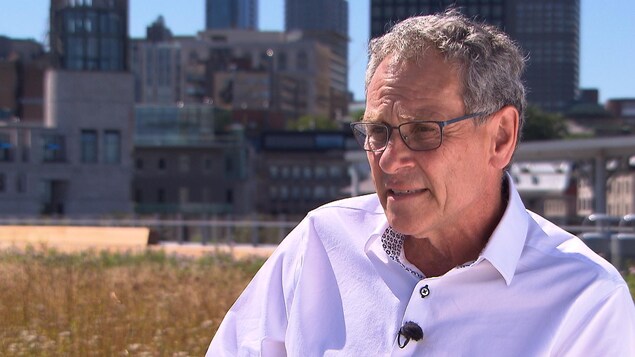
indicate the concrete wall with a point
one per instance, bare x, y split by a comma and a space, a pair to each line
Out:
100, 101
74, 101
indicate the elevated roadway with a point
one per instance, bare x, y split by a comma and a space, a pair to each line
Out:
599, 150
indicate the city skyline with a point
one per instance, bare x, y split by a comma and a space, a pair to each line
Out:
606, 36
239, 14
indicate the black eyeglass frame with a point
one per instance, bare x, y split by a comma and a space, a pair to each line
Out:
390, 129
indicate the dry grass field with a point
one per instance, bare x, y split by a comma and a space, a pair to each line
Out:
148, 303
115, 304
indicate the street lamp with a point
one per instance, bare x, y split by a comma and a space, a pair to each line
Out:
270, 53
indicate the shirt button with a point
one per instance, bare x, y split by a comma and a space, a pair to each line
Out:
424, 291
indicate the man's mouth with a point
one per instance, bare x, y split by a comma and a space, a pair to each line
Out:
405, 192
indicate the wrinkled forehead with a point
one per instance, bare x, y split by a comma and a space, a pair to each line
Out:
405, 89
406, 64
420, 59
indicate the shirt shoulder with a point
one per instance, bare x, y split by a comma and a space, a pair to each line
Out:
361, 204
347, 222
567, 251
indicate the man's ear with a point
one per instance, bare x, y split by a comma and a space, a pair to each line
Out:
504, 128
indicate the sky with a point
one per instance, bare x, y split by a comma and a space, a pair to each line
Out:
607, 34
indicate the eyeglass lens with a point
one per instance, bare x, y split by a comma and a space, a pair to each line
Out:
416, 135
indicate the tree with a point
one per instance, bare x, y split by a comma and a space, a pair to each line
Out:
312, 122
357, 115
540, 125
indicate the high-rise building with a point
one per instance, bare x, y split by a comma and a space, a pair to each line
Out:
22, 65
547, 30
231, 14
89, 34
66, 146
317, 15
158, 31
156, 69
327, 22
385, 13
187, 162
77, 161
263, 78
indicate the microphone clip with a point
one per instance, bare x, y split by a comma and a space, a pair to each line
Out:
409, 331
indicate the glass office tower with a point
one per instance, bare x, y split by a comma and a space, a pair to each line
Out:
89, 34
231, 14
547, 30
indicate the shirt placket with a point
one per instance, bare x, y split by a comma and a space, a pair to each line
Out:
416, 315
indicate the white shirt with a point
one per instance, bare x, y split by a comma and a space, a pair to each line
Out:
331, 289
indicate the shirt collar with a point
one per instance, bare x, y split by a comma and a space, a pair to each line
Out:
506, 243
392, 242
374, 240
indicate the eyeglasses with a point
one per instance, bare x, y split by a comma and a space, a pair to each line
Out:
418, 135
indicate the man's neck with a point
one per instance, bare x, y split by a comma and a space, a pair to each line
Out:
442, 251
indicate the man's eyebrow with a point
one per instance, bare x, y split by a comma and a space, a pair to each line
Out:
377, 116
373, 116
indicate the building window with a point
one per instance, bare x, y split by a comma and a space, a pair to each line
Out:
295, 192
20, 183
284, 192
161, 195
161, 164
401, 12
285, 172
25, 139
138, 195
303, 61
320, 172
282, 61
53, 148
229, 196
184, 163
139, 164
273, 171
207, 164
89, 146
306, 172
5, 148
306, 193
296, 172
184, 195
112, 146
335, 171
319, 192
229, 165
3, 182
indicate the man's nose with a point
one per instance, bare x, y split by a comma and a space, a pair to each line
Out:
396, 155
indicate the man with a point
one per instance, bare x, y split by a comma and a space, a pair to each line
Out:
444, 260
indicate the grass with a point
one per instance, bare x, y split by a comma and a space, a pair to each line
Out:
630, 279
109, 304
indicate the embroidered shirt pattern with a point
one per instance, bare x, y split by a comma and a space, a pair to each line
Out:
392, 242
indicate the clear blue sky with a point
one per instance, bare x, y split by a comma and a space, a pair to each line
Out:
607, 38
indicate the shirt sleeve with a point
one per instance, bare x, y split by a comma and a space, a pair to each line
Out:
607, 329
257, 322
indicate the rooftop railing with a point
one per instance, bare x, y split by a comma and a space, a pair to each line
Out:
613, 237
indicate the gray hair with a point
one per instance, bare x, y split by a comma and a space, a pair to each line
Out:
489, 62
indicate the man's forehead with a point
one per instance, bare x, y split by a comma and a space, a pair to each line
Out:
406, 90
398, 61
386, 112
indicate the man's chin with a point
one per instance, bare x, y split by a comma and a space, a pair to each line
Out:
409, 223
